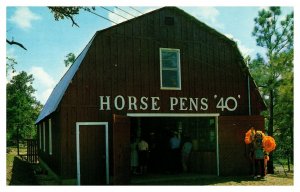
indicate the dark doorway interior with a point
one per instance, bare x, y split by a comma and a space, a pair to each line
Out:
157, 131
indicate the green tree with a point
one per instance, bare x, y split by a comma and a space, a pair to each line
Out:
70, 59
22, 107
284, 113
10, 64
68, 12
275, 35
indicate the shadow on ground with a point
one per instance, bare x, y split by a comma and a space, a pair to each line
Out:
196, 179
22, 173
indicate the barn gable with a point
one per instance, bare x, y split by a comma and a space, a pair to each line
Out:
59, 91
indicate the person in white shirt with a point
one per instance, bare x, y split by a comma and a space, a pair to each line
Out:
143, 149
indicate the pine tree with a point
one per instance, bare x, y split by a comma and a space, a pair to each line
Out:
276, 35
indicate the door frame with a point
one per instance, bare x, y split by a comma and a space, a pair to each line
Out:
121, 149
78, 124
216, 115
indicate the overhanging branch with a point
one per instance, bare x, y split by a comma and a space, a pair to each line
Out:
12, 42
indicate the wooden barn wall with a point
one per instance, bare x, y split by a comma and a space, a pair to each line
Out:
124, 60
234, 159
53, 160
256, 107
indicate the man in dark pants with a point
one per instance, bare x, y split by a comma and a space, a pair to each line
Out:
143, 150
175, 153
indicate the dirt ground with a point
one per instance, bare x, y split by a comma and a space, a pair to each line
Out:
19, 172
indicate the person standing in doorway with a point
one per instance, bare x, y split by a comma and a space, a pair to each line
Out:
175, 153
143, 149
153, 154
185, 153
134, 156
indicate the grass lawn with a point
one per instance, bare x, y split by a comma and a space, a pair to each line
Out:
19, 172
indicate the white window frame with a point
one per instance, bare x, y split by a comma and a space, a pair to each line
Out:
105, 124
44, 136
178, 68
50, 137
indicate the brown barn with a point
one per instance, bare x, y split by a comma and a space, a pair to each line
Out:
161, 72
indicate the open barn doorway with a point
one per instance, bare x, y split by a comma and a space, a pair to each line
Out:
157, 132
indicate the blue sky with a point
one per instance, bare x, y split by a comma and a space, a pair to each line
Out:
49, 41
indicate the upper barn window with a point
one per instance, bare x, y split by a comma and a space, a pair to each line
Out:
170, 75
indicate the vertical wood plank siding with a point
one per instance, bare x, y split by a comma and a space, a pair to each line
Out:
53, 161
234, 159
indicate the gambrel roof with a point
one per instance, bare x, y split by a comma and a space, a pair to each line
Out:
60, 89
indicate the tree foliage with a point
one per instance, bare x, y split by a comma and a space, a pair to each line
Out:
272, 33
10, 64
22, 108
284, 113
61, 13
274, 73
70, 59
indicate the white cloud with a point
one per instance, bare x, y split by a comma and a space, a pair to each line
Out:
208, 15
10, 75
45, 95
23, 17
43, 83
243, 49
42, 76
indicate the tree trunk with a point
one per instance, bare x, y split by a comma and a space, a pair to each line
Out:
270, 166
292, 144
18, 145
288, 162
